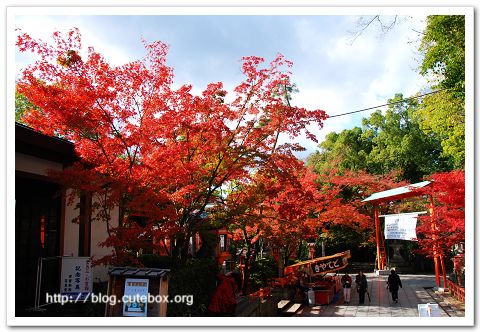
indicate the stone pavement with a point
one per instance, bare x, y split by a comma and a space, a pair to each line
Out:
416, 289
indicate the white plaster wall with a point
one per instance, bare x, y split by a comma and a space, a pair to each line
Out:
98, 235
34, 165
70, 240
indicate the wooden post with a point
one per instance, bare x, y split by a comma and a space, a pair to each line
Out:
377, 238
163, 291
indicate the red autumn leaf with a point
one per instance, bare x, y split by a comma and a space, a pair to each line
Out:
161, 154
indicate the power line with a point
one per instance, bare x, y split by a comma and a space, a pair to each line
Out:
388, 104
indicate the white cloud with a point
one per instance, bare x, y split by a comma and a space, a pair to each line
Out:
333, 101
363, 49
42, 27
399, 73
331, 73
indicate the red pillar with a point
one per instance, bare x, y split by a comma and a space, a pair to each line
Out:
377, 238
444, 273
437, 268
436, 256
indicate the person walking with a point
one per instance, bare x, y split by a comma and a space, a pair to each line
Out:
347, 286
302, 288
362, 286
393, 283
224, 298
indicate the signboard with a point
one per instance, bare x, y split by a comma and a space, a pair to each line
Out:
135, 297
322, 264
401, 226
76, 277
329, 265
428, 310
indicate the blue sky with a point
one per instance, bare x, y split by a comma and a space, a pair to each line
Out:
332, 72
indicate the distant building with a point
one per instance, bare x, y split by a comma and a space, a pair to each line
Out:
43, 226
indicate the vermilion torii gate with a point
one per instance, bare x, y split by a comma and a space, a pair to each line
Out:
398, 194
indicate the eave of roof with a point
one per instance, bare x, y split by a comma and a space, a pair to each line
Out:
31, 142
396, 193
138, 272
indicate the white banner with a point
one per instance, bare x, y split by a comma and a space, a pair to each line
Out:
401, 227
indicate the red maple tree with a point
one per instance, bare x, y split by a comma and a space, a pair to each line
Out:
287, 208
448, 229
158, 153
275, 205
342, 192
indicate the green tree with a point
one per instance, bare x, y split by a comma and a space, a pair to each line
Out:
22, 106
342, 237
399, 143
443, 114
386, 142
349, 148
443, 46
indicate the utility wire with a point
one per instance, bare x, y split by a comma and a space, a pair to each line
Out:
388, 104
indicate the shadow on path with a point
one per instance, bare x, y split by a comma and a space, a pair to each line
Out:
417, 289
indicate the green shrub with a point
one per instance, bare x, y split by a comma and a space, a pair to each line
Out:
156, 261
261, 271
198, 278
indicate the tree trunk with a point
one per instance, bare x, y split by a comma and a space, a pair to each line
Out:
178, 257
246, 270
184, 252
122, 213
280, 263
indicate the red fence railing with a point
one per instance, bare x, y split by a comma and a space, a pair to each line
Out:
262, 293
457, 291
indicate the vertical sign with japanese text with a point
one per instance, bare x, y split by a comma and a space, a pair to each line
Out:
76, 277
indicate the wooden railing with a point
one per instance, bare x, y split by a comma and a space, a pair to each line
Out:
282, 282
457, 291
262, 293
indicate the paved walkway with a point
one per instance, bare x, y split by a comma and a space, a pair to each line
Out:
416, 290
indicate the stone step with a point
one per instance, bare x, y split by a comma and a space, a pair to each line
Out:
283, 304
402, 268
291, 310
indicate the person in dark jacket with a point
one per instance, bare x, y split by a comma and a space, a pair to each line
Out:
393, 283
362, 286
